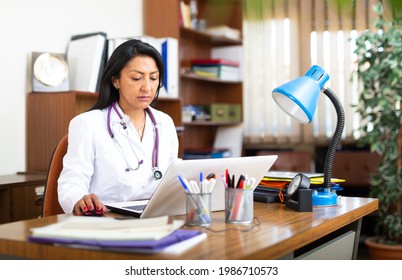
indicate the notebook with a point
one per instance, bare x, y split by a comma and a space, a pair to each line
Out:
169, 198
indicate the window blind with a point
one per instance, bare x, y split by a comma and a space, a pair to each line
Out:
282, 40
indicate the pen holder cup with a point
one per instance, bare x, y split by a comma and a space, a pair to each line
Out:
198, 209
239, 206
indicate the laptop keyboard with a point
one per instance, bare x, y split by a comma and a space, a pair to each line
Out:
137, 208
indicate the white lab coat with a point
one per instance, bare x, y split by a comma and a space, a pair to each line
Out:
94, 162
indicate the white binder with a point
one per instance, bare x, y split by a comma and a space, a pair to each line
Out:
86, 58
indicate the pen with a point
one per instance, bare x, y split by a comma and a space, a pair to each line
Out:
184, 184
211, 185
194, 187
252, 183
240, 183
211, 176
224, 181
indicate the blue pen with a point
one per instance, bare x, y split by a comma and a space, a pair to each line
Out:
201, 177
186, 187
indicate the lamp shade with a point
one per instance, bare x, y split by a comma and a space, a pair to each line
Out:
298, 98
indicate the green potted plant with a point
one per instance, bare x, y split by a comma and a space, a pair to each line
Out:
379, 69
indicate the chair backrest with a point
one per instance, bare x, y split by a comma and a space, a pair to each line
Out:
51, 204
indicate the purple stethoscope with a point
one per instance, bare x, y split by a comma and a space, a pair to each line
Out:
155, 169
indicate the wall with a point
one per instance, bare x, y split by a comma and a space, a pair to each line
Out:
28, 26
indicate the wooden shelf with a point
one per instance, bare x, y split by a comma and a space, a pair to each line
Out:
195, 44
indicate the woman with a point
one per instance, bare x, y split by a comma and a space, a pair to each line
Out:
119, 149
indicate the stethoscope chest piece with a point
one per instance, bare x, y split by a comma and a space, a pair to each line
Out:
157, 174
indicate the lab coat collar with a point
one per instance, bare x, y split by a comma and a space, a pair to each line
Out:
114, 118
156, 115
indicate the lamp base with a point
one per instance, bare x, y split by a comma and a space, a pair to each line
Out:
324, 197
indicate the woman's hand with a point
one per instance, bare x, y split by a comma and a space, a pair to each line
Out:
89, 205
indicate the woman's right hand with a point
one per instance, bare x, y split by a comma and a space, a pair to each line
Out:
89, 205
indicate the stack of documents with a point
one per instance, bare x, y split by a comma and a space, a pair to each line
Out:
272, 187
286, 176
224, 31
216, 68
137, 235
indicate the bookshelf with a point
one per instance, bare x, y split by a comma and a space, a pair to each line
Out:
162, 19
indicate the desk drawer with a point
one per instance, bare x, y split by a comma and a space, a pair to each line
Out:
339, 248
23, 204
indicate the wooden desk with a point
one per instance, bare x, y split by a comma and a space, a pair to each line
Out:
17, 196
282, 233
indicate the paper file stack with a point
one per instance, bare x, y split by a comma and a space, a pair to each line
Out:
216, 68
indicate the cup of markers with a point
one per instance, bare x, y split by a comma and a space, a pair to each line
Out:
198, 200
239, 199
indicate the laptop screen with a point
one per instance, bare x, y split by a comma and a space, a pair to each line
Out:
169, 197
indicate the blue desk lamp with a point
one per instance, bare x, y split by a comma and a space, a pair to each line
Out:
298, 98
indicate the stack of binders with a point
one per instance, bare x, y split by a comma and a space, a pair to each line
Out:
272, 187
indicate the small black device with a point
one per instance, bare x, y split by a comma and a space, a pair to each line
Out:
299, 196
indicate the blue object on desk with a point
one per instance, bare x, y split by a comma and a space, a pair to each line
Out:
324, 197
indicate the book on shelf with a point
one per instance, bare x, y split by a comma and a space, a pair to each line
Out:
113, 43
231, 53
224, 31
223, 72
169, 49
184, 15
224, 69
214, 62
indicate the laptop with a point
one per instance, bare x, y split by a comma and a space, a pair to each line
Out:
169, 198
